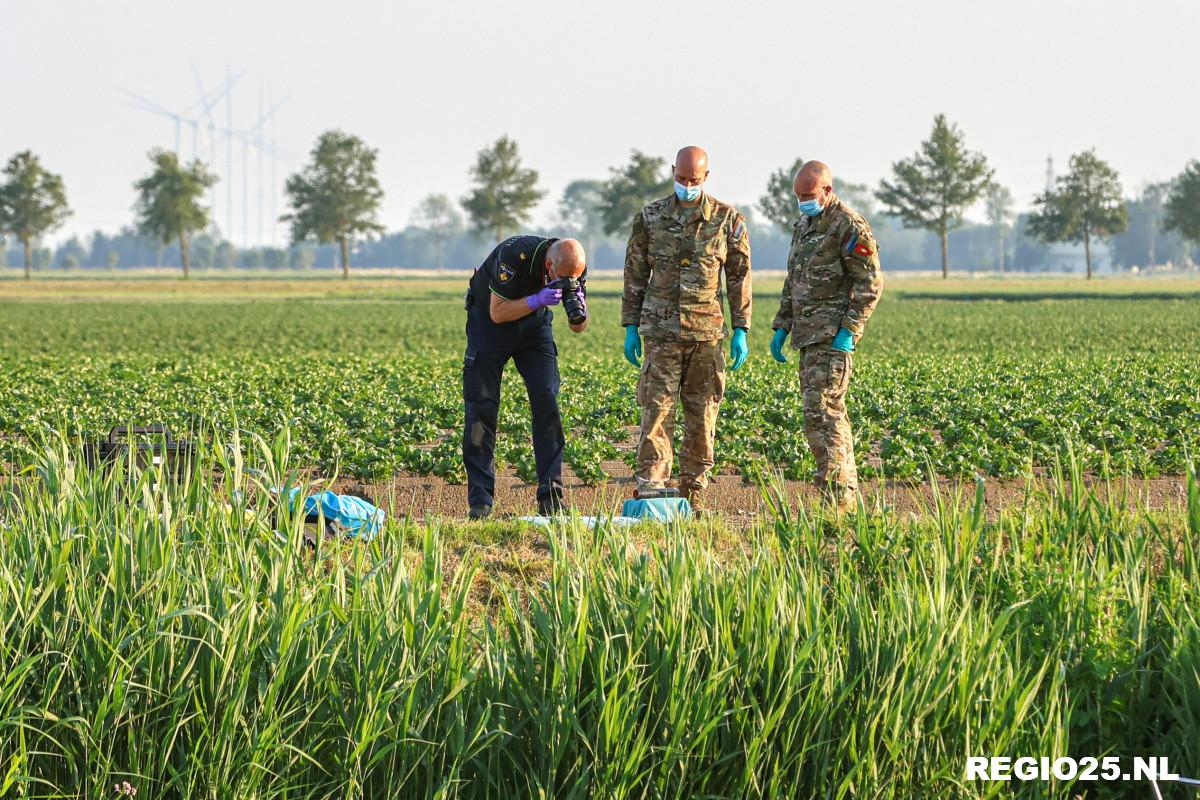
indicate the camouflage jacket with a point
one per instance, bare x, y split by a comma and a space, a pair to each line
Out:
833, 276
673, 271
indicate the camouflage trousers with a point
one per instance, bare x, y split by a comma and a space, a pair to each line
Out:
824, 378
693, 372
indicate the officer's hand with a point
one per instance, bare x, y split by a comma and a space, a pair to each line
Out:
738, 349
844, 341
633, 345
777, 342
548, 296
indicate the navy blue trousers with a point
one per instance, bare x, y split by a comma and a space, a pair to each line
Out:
533, 350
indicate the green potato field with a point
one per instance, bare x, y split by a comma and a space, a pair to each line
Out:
981, 377
178, 638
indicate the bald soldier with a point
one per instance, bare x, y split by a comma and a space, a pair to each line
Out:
833, 284
678, 249
508, 318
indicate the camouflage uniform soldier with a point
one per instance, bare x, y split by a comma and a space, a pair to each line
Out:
677, 250
833, 284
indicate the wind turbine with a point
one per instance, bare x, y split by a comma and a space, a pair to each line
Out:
188, 115
150, 107
207, 105
202, 114
264, 145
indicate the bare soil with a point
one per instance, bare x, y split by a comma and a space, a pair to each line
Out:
740, 502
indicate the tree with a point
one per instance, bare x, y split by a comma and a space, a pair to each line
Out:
630, 187
581, 211
1029, 253
226, 255
934, 188
168, 204
505, 192
253, 259
778, 203
441, 220
337, 194
1183, 205
1000, 215
857, 195
71, 254
1144, 242
302, 257
274, 257
33, 202
1085, 204
204, 247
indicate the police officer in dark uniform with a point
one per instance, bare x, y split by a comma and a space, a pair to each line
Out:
508, 317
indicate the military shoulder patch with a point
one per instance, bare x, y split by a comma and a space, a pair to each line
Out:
506, 273
739, 228
858, 246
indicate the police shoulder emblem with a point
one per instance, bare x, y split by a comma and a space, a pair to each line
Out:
506, 273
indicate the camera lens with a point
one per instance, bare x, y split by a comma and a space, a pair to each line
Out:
573, 305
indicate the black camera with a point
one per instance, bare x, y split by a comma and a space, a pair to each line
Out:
572, 298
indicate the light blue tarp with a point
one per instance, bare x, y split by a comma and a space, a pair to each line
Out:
590, 522
660, 509
355, 516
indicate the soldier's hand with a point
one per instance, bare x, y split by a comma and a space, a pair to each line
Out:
633, 345
777, 342
738, 349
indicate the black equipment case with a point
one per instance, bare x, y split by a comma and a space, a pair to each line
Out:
151, 446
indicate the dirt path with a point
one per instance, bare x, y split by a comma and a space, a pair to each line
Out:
420, 496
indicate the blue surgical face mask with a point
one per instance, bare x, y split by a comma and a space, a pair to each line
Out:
809, 208
687, 193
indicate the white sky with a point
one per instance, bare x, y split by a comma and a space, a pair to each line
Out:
579, 84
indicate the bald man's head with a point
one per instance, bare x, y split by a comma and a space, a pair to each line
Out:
566, 259
691, 168
813, 181
692, 159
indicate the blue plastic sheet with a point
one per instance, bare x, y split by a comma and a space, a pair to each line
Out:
355, 516
660, 509
590, 522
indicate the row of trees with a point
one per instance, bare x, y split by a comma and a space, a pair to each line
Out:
335, 199
975, 246
934, 188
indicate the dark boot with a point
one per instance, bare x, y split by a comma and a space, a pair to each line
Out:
551, 504
691, 491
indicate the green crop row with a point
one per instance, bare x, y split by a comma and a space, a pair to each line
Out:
970, 377
371, 416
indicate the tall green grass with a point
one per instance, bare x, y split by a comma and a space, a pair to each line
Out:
180, 637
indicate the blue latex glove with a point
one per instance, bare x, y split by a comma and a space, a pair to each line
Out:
777, 343
548, 296
633, 345
738, 349
844, 341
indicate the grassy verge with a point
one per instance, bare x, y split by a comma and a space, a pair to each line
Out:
179, 636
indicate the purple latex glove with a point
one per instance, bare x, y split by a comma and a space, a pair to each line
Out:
549, 296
